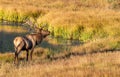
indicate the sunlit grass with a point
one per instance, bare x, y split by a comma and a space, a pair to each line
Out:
83, 25
12, 29
94, 65
98, 45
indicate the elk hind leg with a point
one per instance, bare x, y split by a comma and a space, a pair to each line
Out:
16, 57
17, 52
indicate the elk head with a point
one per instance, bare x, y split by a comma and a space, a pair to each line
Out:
44, 32
38, 30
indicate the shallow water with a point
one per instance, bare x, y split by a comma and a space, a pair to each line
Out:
9, 32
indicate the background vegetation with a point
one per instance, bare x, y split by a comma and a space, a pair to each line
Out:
72, 19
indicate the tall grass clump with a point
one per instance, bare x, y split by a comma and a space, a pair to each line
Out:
1, 15
66, 32
18, 15
12, 15
96, 31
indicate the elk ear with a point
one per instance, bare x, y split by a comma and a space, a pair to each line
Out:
38, 30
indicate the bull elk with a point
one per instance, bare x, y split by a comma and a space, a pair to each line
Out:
29, 42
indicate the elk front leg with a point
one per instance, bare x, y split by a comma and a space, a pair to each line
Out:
31, 53
27, 55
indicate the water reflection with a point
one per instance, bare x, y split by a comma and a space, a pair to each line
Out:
67, 41
7, 34
59, 44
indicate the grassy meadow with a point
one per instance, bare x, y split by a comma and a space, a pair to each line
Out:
84, 40
79, 19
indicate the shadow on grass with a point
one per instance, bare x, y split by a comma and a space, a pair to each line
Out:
68, 55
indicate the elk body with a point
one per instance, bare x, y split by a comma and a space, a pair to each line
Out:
28, 42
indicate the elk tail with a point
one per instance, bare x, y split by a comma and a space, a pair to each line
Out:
16, 48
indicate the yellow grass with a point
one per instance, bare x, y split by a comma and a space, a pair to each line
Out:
94, 65
12, 29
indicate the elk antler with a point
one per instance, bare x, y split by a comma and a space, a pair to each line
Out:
32, 25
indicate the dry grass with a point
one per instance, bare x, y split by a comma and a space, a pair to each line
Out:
91, 65
99, 45
78, 61
12, 29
